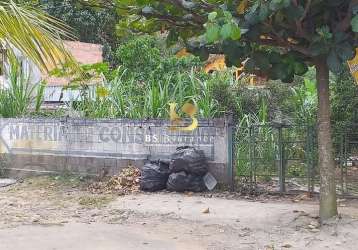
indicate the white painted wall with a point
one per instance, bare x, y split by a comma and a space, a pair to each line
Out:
54, 93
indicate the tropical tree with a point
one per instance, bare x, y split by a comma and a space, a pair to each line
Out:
277, 39
89, 23
34, 33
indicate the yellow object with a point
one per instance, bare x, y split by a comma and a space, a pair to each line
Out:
242, 7
189, 109
252, 81
102, 92
174, 117
353, 65
215, 63
176, 121
182, 53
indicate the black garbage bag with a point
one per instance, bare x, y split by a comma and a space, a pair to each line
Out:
154, 177
177, 182
196, 184
190, 160
156, 160
181, 182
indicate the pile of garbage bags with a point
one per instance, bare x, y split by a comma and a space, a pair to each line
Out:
185, 171
154, 176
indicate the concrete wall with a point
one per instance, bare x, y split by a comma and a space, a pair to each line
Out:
95, 147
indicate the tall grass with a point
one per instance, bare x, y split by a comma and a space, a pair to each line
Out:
130, 98
256, 144
18, 98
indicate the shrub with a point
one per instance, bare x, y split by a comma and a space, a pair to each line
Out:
144, 57
139, 55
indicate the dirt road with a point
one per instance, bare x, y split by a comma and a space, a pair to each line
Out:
46, 214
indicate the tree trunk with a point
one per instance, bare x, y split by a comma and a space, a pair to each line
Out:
328, 201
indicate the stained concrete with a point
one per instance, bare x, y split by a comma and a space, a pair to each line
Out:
104, 147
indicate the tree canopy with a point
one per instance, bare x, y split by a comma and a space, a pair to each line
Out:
280, 37
90, 23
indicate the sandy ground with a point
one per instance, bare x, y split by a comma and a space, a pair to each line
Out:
47, 213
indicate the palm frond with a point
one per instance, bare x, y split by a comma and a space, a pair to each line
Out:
36, 34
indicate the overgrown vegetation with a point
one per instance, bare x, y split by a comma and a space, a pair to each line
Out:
344, 100
149, 78
20, 95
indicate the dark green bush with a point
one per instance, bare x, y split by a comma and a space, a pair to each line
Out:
145, 57
139, 55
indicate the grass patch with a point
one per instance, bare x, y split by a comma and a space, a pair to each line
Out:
52, 182
95, 200
69, 180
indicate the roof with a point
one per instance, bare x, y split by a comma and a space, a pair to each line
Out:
84, 53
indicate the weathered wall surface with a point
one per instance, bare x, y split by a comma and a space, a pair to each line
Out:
96, 147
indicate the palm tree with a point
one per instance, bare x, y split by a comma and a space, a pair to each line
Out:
34, 33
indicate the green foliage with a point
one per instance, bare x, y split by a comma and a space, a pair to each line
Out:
297, 170
254, 126
295, 103
354, 23
87, 73
221, 27
90, 24
281, 37
225, 91
140, 55
131, 99
344, 101
17, 99
144, 57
